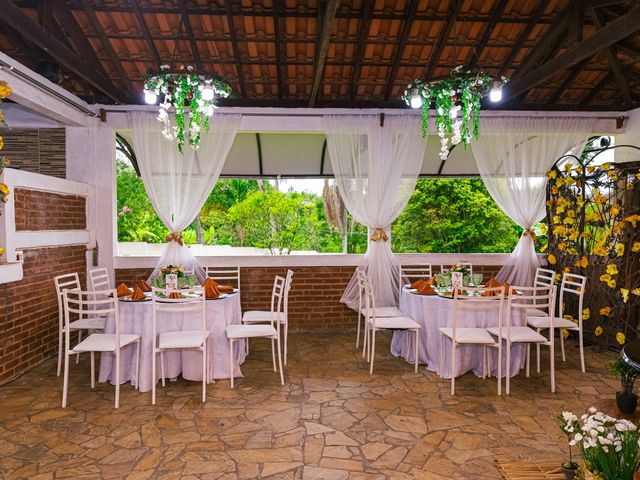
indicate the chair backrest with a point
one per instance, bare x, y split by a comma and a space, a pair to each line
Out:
544, 277
542, 298
99, 279
191, 303
287, 287
572, 284
88, 304
444, 269
277, 296
411, 273
478, 298
367, 294
224, 275
67, 281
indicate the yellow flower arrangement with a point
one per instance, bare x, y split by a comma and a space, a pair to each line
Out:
598, 331
620, 338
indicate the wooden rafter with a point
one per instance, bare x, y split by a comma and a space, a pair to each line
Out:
363, 32
328, 20
573, 74
443, 34
106, 44
189, 30
496, 13
576, 20
614, 31
604, 81
145, 32
33, 32
612, 58
276, 30
234, 45
406, 27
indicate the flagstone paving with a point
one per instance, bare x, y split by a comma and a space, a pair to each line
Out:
331, 420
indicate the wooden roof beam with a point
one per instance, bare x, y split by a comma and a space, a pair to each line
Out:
328, 19
568, 81
496, 13
596, 89
614, 61
363, 32
443, 34
234, 46
146, 33
276, 31
411, 10
616, 30
522, 38
33, 32
192, 40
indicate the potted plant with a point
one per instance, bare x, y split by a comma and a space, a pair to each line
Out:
626, 400
567, 420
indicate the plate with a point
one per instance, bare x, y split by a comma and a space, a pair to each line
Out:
222, 295
411, 290
127, 298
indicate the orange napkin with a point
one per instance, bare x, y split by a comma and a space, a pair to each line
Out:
144, 286
417, 284
492, 283
210, 291
138, 295
175, 295
488, 293
225, 288
123, 290
210, 281
431, 281
457, 291
426, 289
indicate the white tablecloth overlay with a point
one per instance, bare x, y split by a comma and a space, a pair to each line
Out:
433, 312
136, 317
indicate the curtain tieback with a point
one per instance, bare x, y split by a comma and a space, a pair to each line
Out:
529, 232
379, 234
175, 237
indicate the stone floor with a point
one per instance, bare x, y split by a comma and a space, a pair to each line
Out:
331, 420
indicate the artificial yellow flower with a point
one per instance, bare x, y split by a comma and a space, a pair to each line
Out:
543, 228
5, 90
566, 270
578, 169
562, 246
559, 230
1, 251
551, 258
615, 209
583, 262
560, 181
565, 333
544, 247
569, 221
636, 291
600, 199
556, 278
612, 269
554, 190
620, 249
574, 235
4, 189
1, 143
636, 247
586, 235
617, 228
552, 174
556, 219
591, 169
549, 203
612, 283
620, 338
600, 251
571, 213
572, 250
625, 294
605, 166
613, 175
633, 219
606, 311
605, 277
1, 116
598, 331
586, 314
567, 167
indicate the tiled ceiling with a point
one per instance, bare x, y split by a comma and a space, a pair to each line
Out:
270, 51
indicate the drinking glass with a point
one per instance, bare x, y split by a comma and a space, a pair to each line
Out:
192, 279
477, 279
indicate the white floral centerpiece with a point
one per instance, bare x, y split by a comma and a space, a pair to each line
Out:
609, 446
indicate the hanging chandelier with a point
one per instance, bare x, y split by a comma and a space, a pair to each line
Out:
456, 100
198, 91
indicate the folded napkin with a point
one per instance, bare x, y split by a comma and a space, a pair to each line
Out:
123, 290
492, 283
175, 295
138, 294
211, 291
426, 289
431, 281
457, 291
143, 285
225, 288
417, 284
210, 281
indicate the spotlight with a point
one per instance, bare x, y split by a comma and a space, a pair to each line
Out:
495, 95
416, 98
150, 97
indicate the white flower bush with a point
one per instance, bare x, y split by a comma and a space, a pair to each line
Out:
610, 447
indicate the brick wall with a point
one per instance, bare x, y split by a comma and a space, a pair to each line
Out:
37, 150
37, 210
29, 313
314, 300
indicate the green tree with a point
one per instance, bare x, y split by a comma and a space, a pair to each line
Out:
453, 216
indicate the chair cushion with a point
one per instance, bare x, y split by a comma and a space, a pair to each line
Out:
104, 342
94, 323
186, 339
385, 312
396, 323
536, 312
520, 334
261, 316
249, 331
469, 335
543, 322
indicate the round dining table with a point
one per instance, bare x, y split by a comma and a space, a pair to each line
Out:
433, 312
137, 317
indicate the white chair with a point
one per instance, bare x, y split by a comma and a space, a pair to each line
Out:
192, 307
444, 269
412, 273
70, 281
266, 316
224, 275
99, 279
272, 330
539, 297
86, 305
572, 284
544, 278
384, 323
378, 311
467, 304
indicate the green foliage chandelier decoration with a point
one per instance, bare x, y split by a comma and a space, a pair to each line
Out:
198, 91
457, 101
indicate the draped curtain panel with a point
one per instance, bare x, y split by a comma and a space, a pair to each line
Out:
179, 184
375, 169
513, 155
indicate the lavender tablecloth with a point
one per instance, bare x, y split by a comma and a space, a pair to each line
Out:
136, 317
433, 312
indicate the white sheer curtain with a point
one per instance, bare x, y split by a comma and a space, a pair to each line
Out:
513, 155
179, 184
375, 169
